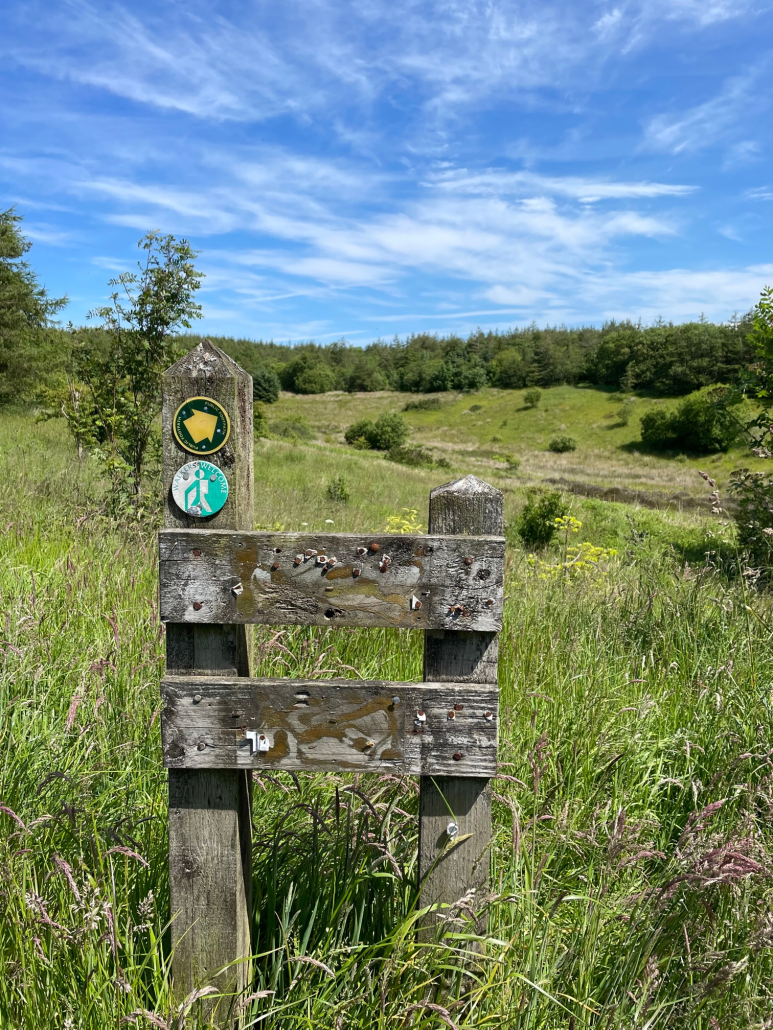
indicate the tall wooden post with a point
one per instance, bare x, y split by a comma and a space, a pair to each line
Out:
210, 842
447, 872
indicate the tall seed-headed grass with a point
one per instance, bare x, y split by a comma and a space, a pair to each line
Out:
632, 856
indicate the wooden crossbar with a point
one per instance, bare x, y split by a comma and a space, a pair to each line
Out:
427, 729
344, 579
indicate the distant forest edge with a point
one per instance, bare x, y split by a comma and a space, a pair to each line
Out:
668, 359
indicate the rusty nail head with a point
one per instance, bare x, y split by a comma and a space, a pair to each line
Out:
458, 707
310, 553
421, 716
466, 613
275, 565
197, 606
201, 745
297, 560
489, 602
196, 698
196, 552
468, 560
362, 550
452, 714
458, 756
489, 716
355, 573
374, 548
332, 561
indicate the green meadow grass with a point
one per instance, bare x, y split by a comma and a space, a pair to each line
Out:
608, 450
633, 854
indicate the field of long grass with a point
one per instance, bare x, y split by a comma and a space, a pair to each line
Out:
631, 880
480, 429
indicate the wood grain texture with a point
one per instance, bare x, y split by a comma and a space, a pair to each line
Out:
420, 582
448, 872
330, 725
210, 842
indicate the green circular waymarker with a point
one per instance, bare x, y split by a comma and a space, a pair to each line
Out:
200, 488
201, 425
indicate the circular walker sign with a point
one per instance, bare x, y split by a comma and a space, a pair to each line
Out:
201, 425
200, 488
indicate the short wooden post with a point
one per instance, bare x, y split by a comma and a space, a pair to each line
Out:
466, 506
210, 843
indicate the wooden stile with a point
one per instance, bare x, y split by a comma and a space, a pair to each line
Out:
219, 726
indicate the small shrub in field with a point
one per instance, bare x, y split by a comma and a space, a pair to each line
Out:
532, 397
537, 524
513, 463
296, 428
753, 492
259, 420
562, 444
496, 439
338, 490
386, 433
700, 425
424, 404
476, 407
265, 386
416, 457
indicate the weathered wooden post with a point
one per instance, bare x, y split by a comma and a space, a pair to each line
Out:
471, 507
210, 844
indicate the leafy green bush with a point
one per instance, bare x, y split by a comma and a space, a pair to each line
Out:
536, 523
701, 424
296, 428
386, 433
424, 404
532, 398
265, 386
308, 374
416, 457
476, 407
259, 421
562, 444
338, 490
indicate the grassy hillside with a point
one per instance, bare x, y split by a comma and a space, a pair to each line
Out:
633, 849
476, 430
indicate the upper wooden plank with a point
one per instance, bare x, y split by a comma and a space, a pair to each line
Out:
412, 582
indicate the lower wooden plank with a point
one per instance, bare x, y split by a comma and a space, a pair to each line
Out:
418, 729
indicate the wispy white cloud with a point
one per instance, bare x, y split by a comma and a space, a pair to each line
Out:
715, 120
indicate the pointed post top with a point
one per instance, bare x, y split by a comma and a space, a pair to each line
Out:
205, 361
467, 505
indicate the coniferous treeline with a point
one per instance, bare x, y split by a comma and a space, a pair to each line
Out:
666, 358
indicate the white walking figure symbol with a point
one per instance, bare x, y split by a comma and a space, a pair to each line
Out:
201, 485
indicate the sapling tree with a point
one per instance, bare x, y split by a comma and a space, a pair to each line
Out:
116, 373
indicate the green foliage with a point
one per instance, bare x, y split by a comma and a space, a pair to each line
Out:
338, 490
265, 386
562, 444
416, 457
389, 431
293, 428
667, 358
112, 394
307, 374
532, 398
753, 495
424, 404
29, 355
701, 424
536, 525
671, 359
260, 425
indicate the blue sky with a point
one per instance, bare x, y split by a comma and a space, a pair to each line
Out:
366, 168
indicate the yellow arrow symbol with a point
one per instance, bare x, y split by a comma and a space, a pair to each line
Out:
201, 426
